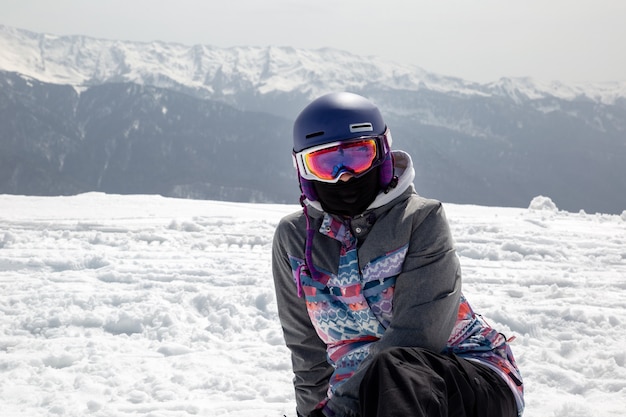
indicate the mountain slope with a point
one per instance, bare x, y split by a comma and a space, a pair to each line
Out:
128, 138
89, 114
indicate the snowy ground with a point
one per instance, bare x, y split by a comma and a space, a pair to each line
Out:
146, 306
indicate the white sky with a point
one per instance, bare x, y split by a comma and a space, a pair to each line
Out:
480, 40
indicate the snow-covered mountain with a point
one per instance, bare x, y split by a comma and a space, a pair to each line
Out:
214, 72
83, 114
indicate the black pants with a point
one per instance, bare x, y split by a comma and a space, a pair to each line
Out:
413, 382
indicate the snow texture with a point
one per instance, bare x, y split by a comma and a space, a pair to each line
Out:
148, 306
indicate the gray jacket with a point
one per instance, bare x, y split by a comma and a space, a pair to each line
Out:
426, 287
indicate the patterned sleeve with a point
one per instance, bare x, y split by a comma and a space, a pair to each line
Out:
308, 351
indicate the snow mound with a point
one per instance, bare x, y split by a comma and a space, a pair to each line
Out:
542, 203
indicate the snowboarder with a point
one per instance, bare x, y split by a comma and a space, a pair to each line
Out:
368, 284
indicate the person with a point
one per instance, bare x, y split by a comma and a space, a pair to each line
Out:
368, 284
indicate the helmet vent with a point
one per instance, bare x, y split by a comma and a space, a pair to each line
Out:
314, 135
361, 127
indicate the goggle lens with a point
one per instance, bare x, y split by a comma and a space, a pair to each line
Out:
354, 157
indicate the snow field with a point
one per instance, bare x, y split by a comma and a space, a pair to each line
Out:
143, 305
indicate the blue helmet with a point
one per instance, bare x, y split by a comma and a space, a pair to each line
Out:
337, 117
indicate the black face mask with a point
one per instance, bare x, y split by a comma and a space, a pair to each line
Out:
351, 197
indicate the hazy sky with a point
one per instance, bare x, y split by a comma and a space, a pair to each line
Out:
478, 40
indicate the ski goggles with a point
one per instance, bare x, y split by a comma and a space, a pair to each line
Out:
329, 161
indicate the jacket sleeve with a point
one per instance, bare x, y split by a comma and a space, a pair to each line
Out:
308, 352
426, 297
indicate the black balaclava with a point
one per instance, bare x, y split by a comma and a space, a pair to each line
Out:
348, 198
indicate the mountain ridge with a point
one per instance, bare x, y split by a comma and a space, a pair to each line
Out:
499, 144
265, 69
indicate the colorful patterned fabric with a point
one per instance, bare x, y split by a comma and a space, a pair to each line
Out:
473, 339
353, 308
